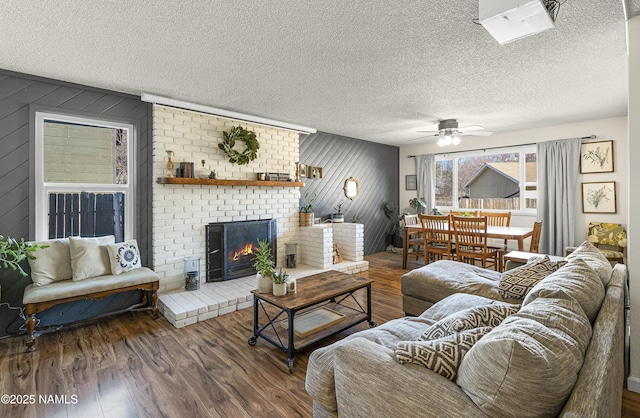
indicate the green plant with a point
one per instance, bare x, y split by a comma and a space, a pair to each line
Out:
12, 252
280, 277
306, 206
338, 208
238, 133
263, 262
418, 203
389, 208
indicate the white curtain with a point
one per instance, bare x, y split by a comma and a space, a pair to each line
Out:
426, 176
558, 166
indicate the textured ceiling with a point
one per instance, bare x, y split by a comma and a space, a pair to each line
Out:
374, 70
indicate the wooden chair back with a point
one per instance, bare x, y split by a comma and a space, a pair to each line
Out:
466, 213
535, 238
436, 230
471, 241
497, 218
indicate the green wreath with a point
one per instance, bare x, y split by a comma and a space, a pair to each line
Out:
238, 133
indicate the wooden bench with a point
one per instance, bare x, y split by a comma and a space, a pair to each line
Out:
39, 298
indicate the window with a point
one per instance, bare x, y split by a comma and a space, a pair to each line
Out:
84, 177
503, 179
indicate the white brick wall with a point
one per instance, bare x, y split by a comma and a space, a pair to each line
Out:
350, 240
316, 246
180, 212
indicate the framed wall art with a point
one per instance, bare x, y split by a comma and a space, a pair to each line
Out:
303, 170
599, 197
411, 182
596, 157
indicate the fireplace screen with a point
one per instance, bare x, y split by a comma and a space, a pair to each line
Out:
231, 246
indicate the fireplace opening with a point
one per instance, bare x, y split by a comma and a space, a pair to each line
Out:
231, 247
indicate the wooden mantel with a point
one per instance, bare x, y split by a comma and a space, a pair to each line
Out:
222, 182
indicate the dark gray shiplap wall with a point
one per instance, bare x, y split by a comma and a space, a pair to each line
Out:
375, 166
17, 94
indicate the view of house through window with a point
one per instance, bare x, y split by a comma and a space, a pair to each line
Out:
502, 180
84, 169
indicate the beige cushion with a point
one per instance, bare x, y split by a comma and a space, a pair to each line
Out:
594, 258
576, 280
70, 288
527, 366
478, 316
442, 355
124, 256
52, 264
89, 256
516, 283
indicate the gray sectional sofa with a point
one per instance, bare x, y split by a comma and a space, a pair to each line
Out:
560, 354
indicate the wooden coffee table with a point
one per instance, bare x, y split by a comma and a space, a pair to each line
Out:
323, 305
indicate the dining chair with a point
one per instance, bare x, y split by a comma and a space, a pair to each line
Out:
436, 230
470, 236
414, 238
535, 237
498, 219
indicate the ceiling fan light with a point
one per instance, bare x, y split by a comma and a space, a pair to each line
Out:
441, 141
446, 140
455, 140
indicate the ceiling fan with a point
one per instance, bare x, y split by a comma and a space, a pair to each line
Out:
449, 132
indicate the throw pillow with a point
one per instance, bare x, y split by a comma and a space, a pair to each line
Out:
516, 283
536, 353
594, 257
52, 264
89, 256
576, 280
124, 256
479, 316
443, 355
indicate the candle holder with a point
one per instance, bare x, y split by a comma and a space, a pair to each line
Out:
169, 164
297, 177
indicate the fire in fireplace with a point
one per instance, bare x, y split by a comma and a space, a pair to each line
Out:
230, 247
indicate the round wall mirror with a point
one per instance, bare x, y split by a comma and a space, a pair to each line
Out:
351, 188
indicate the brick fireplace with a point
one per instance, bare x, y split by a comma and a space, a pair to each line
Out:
181, 211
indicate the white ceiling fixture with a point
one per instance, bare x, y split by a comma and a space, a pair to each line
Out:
450, 134
510, 20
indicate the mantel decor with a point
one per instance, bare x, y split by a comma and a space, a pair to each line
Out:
238, 133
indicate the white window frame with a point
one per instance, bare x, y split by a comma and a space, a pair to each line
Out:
43, 189
522, 150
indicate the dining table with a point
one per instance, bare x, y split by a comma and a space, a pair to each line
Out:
517, 233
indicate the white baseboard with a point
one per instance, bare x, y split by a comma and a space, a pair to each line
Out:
633, 384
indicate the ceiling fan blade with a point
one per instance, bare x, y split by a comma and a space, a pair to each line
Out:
421, 137
471, 128
429, 132
478, 133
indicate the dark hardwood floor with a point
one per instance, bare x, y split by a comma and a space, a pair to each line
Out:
133, 366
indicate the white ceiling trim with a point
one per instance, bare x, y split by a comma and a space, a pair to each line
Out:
167, 101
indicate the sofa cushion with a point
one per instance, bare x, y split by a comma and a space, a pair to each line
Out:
479, 316
535, 354
516, 283
124, 256
436, 281
442, 355
89, 256
576, 280
52, 264
594, 257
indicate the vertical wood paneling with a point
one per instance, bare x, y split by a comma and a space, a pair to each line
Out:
374, 165
17, 92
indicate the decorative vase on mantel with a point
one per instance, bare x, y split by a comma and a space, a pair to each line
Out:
264, 283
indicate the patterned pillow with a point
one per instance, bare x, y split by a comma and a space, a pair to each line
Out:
443, 355
479, 316
516, 283
124, 256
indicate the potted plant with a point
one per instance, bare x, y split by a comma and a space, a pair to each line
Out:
338, 216
306, 211
263, 263
394, 230
418, 204
280, 283
12, 252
